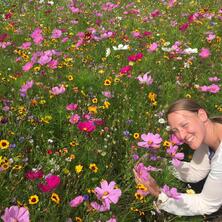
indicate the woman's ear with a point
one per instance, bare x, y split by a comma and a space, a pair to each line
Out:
202, 114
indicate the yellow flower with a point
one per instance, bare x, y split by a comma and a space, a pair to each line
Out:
117, 80
188, 96
141, 187
37, 68
106, 104
4, 166
107, 82
138, 196
55, 198
78, 168
65, 171
78, 219
93, 167
166, 143
92, 109
136, 136
152, 96
34, 199
17, 167
101, 71
4, 144
190, 191
94, 100
70, 77
74, 143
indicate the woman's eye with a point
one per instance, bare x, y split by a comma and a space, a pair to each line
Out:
185, 125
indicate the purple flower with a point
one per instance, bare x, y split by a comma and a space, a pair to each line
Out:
72, 106
176, 157
150, 140
15, 213
204, 53
172, 193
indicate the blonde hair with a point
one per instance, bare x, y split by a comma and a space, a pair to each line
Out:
191, 106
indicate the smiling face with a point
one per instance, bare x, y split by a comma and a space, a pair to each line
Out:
189, 126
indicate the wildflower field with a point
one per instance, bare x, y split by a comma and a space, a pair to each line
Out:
84, 86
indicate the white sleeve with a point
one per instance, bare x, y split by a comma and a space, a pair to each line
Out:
195, 170
207, 202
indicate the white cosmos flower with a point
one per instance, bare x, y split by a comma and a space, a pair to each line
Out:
108, 51
121, 47
190, 50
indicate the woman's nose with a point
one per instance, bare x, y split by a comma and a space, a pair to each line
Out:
181, 134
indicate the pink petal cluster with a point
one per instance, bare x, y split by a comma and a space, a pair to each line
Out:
57, 90
25, 87
34, 174
150, 140
214, 88
56, 33
72, 107
107, 194
135, 57
204, 53
109, 6
145, 79
176, 157
175, 141
86, 126
74, 119
171, 192
153, 47
15, 213
37, 36
76, 201
125, 70
51, 182
214, 79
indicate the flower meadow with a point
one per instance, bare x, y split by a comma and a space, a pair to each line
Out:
84, 86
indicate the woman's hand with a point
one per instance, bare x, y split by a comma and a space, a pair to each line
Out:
150, 184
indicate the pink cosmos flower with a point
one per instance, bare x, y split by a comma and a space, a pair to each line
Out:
25, 45
52, 181
214, 79
37, 36
213, 88
53, 64
135, 57
27, 66
171, 3
153, 47
145, 79
74, 119
44, 59
150, 140
15, 213
25, 87
99, 207
176, 157
3, 45
87, 126
76, 201
175, 141
137, 34
57, 90
34, 174
210, 37
125, 69
112, 219
108, 193
184, 27
56, 33
107, 94
172, 193
142, 171
72, 107
204, 53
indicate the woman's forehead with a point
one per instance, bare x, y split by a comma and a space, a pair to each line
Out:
181, 114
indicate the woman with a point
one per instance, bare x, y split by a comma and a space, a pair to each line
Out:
190, 123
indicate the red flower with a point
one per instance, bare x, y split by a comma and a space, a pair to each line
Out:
184, 27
